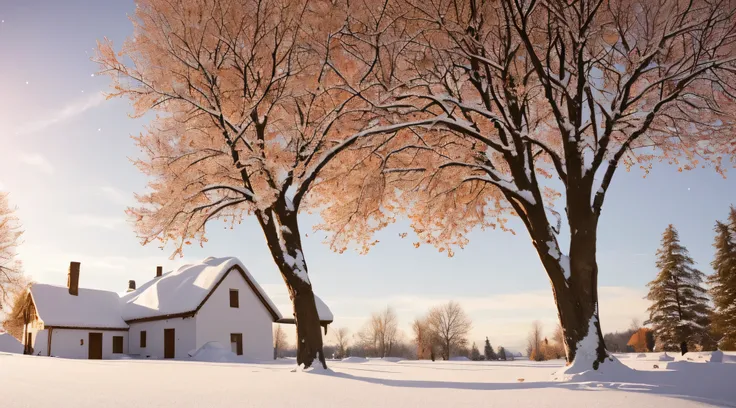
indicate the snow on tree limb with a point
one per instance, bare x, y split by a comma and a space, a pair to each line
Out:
588, 90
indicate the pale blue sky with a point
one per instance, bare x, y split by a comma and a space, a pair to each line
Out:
64, 159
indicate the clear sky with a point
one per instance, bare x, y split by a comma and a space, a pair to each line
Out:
64, 158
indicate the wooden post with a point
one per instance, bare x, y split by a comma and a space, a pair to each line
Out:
48, 348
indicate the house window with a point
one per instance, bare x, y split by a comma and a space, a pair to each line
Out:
143, 338
117, 344
234, 301
236, 343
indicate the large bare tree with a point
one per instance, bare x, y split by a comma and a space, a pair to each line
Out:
247, 120
512, 105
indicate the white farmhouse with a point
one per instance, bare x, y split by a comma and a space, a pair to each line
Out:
167, 317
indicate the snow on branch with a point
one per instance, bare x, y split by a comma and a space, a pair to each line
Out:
246, 193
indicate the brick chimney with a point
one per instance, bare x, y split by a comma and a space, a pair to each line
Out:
131, 285
72, 281
159, 271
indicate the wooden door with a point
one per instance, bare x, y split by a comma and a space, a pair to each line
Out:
169, 343
95, 346
236, 343
117, 344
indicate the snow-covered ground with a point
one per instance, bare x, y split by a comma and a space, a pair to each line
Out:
27, 381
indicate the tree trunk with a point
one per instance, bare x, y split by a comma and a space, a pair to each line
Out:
576, 296
282, 236
308, 329
577, 307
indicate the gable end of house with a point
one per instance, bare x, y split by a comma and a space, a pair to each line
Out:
275, 316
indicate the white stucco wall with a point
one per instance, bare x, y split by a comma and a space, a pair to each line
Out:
36, 328
216, 320
40, 342
184, 330
66, 343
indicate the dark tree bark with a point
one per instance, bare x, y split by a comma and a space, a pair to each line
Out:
574, 278
282, 236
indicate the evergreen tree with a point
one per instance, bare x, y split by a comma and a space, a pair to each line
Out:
679, 310
501, 353
474, 353
723, 282
488, 351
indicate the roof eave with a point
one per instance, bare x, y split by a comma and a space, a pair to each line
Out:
290, 320
60, 327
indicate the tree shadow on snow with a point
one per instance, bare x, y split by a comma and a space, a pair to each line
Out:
482, 365
703, 383
369, 370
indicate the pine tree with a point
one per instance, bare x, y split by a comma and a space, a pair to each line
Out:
679, 310
474, 353
723, 282
488, 351
501, 353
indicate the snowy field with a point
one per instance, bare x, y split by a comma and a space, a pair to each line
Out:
53, 382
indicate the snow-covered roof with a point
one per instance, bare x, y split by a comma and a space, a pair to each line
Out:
184, 290
178, 292
90, 308
9, 344
325, 314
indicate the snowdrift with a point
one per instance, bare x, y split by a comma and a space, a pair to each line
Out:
666, 357
582, 370
354, 360
215, 352
716, 357
9, 344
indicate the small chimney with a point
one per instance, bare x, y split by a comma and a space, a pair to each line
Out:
131, 285
72, 281
159, 271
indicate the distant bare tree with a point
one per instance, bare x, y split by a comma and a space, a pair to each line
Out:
341, 342
11, 277
558, 346
451, 326
381, 332
279, 341
534, 342
422, 338
635, 324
